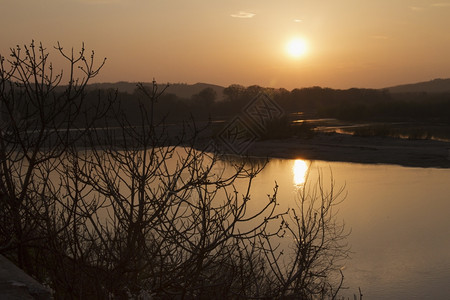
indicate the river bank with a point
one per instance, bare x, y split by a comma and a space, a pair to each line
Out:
348, 148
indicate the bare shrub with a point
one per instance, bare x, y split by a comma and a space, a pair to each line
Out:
39, 120
135, 207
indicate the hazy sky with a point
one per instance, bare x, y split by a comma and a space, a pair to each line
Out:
350, 43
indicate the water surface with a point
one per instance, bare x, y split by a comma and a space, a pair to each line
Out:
400, 239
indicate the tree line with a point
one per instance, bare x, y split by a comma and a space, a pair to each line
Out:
349, 105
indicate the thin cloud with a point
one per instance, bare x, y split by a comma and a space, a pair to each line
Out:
416, 8
243, 15
441, 4
298, 20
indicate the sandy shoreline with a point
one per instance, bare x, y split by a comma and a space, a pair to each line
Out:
347, 148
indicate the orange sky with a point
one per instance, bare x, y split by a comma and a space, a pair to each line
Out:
351, 43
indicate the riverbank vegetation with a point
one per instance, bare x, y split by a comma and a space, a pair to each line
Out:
428, 113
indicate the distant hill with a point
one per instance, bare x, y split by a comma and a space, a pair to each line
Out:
182, 90
121, 86
433, 86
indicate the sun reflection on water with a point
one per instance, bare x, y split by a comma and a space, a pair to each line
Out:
300, 170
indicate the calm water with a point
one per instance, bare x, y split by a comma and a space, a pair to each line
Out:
399, 217
399, 221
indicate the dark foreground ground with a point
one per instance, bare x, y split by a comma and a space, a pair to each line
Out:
15, 284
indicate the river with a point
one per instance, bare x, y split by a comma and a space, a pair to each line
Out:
399, 221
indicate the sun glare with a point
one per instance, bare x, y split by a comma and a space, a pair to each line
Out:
297, 47
300, 170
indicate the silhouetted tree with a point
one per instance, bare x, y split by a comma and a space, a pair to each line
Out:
137, 208
234, 92
205, 98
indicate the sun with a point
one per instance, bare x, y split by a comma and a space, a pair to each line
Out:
297, 47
